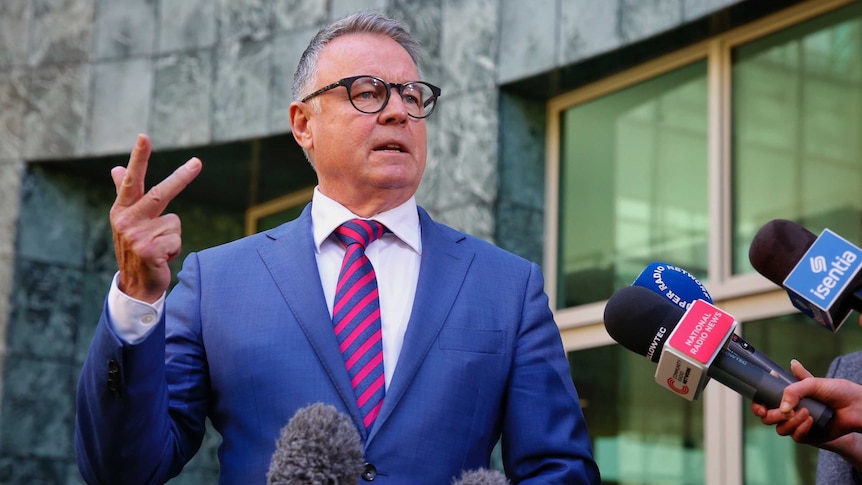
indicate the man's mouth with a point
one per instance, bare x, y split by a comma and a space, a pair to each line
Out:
390, 147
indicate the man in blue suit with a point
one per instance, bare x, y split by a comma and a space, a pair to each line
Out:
469, 348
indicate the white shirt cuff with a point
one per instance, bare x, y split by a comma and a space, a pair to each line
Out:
132, 319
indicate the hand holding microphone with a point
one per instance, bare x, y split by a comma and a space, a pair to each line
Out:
841, 395
690, 348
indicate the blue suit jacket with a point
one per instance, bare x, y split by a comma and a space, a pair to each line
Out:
247, 340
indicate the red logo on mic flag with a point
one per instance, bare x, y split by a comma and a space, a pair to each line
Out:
690, 349
671, 383
703, 329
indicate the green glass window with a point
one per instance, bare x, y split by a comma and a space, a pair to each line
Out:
641, 432
633, 184
797, 124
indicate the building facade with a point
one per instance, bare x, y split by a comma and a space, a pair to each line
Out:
591, 136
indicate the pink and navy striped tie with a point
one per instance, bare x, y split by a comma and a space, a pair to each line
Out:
356, 316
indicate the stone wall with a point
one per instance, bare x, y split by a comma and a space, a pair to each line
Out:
80, 78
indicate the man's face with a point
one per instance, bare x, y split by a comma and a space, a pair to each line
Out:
368, 162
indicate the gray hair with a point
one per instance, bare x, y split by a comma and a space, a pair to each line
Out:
357, 23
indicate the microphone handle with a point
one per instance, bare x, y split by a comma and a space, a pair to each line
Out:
738, 345
757, 384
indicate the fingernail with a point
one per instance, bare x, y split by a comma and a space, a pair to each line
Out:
793, 361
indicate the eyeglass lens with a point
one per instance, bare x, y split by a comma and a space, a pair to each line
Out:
369, 94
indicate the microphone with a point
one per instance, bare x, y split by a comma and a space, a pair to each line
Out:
820, 274
318, 445
481, 476
677, 285
689, 349
681, 288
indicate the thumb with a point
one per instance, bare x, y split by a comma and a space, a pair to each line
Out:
799, 371
117, 175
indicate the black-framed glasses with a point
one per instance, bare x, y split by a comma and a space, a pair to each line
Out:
369, 94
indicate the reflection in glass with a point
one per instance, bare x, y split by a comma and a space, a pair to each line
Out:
642, 433
633, 184
797, 118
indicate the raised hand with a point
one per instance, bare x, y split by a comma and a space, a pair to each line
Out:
145, 240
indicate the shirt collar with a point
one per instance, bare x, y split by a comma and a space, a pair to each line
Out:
403, 221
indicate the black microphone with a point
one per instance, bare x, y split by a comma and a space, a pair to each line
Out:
481, 476
820, 273
644, 322
681, 288
318, 445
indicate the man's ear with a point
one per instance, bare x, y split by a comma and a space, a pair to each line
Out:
300, 126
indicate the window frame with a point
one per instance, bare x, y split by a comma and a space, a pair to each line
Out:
748, 297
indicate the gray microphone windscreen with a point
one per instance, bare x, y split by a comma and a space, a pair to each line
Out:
481, 476
319, 445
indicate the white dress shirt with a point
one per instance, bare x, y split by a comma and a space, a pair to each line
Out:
395, 257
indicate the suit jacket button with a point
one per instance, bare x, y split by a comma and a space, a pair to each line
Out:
114, 378
370, 473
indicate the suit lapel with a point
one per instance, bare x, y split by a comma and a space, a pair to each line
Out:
289, 256
441, 274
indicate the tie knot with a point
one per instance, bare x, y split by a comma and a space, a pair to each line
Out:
359, 231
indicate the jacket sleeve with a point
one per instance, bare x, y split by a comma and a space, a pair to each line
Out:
141, 415
545, 437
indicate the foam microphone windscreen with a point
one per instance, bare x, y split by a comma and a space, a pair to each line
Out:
319, 445
634, 317
481, 476
777, 248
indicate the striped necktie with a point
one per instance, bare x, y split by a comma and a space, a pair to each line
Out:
356, 316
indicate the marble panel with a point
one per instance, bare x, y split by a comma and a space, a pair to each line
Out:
243, 19
341, 8
428, 193
474, 219
94, 290
289, 15
98, 239
695, 9
522, 151
182, 106
640, 19
14, 30
124, 28
424, 22
121, 104
46, 301
61, 31
56, 115
527, 38
286, 51
521, 231
10, 195
469, 44
17, 469
241, 96
52, 219
186, 25
194, 476
468, 172
73, 476
587, 28
13, 99
38, 409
